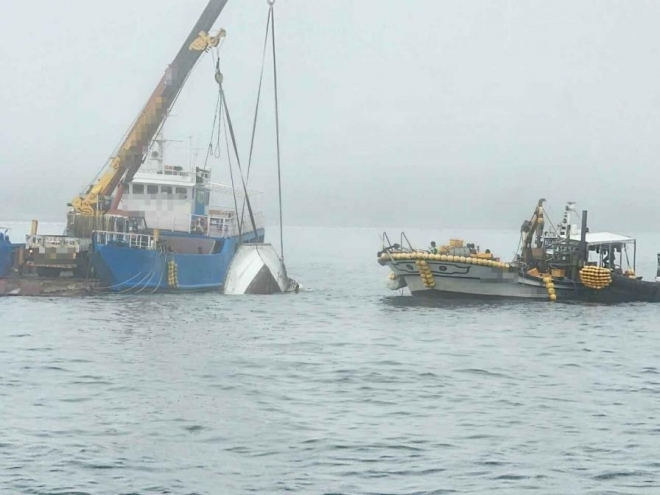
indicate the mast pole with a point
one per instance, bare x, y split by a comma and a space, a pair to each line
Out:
584, 249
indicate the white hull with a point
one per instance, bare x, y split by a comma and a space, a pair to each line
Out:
256, 269
452, 279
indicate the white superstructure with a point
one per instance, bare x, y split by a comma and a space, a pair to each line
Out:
178, 198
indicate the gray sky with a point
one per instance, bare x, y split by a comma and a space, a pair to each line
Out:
393, 113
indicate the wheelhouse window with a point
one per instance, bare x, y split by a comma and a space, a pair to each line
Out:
151, 189
182, 192
138, 188
166, 190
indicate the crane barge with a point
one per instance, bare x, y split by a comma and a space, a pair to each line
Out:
96, 208
98, 200
145, 226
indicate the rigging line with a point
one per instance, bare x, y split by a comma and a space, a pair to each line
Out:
146, 283
261, 76
256, 109
210, 150
120, 283
130, 288
217, 144
215, 60
233, 189
554, 229
277, 130
238, 160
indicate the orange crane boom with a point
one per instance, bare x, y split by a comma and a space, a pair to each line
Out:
132, 152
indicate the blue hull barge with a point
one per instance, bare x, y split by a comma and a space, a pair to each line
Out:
167, 236
140, 263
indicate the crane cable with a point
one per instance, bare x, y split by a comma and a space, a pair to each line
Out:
222, 104
277, 131
216, 133
271, 21
270, 26
261, 77
231, 175
256, 110
229, 125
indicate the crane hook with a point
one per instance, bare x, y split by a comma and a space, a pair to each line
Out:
218, 74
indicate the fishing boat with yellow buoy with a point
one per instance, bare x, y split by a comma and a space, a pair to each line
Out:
558, 264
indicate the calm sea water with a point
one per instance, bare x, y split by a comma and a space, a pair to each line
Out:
345, 387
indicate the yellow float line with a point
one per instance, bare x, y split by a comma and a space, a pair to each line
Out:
443, 257
425, 273
550, 287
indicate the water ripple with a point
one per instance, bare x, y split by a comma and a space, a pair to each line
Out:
340, 389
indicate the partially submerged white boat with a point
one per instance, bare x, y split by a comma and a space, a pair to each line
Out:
258, 269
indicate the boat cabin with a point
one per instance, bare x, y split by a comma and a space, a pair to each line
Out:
178, 199
612, 251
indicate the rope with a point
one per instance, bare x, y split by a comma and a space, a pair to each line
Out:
131, 287
146, 284
121, 283
238, 160
277, 128
261, 77
233, 188
215, 152
256, 109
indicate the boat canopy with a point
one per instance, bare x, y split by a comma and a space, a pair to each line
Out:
602, 238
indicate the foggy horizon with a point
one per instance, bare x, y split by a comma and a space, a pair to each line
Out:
427, 114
